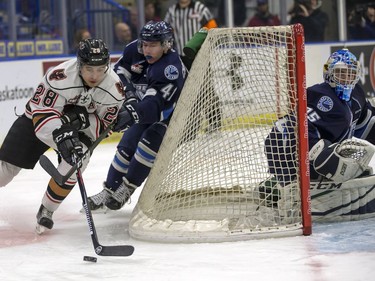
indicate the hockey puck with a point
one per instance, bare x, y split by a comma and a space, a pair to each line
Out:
89, 258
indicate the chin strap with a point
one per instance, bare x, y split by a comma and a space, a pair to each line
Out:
344, 92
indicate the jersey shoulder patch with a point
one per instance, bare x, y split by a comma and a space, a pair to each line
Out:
171, 72
64, 76
325, 104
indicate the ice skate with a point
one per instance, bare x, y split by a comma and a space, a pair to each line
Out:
117, 200
44, 220
97, 201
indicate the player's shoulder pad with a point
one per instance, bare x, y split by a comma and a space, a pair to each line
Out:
64, 76
113, 86
169, 67
321, 96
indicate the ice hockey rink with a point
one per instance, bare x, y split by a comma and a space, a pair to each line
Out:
336, 251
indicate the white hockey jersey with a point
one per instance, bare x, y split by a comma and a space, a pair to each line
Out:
62, 86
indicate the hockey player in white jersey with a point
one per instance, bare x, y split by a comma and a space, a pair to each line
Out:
73, 104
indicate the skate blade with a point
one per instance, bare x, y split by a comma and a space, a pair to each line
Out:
40, 229
101, 210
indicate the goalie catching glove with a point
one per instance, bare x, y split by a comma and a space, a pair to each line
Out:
126, 117
340, 162
68, 143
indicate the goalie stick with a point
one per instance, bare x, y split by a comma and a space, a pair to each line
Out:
60, 179
117, 250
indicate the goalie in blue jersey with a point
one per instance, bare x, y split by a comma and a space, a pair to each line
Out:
340, 128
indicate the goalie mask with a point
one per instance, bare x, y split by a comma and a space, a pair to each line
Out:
341, 72
156, 31
92, 52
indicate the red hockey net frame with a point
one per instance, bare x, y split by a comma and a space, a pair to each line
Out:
302, 129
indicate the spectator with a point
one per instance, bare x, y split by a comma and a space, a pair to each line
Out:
134, 21
186, 18
313, 19
263, 17
79, 35
361, 24
150, 11
123, 34
320, 17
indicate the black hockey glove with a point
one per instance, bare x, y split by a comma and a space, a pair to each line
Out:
130, 96
68, 143
126, 117
76, 116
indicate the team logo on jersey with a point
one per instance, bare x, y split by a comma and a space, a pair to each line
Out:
325, 104
171, 72
137, 67
57, 74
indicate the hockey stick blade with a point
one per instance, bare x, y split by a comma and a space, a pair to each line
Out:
60, 179
101, 250
116, 250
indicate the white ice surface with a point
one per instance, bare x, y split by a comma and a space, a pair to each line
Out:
337, 251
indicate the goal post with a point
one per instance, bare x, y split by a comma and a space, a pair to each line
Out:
211, 180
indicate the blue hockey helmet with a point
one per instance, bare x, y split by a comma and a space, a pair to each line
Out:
156, 31
92, 52
341, 71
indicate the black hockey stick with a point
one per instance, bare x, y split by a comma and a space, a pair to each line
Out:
117, 250
60, 179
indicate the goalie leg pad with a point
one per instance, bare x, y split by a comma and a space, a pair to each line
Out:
343, 204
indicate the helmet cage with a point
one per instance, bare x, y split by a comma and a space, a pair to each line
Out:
341, 71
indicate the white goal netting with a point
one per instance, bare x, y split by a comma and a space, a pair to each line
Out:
211, 179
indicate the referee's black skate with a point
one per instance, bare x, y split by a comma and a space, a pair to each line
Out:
44, 219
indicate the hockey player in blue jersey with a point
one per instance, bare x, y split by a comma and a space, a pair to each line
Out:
340, 121
131, 68
144, 119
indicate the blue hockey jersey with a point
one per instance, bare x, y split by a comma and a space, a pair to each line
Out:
331, 118
165, 79
131, 68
